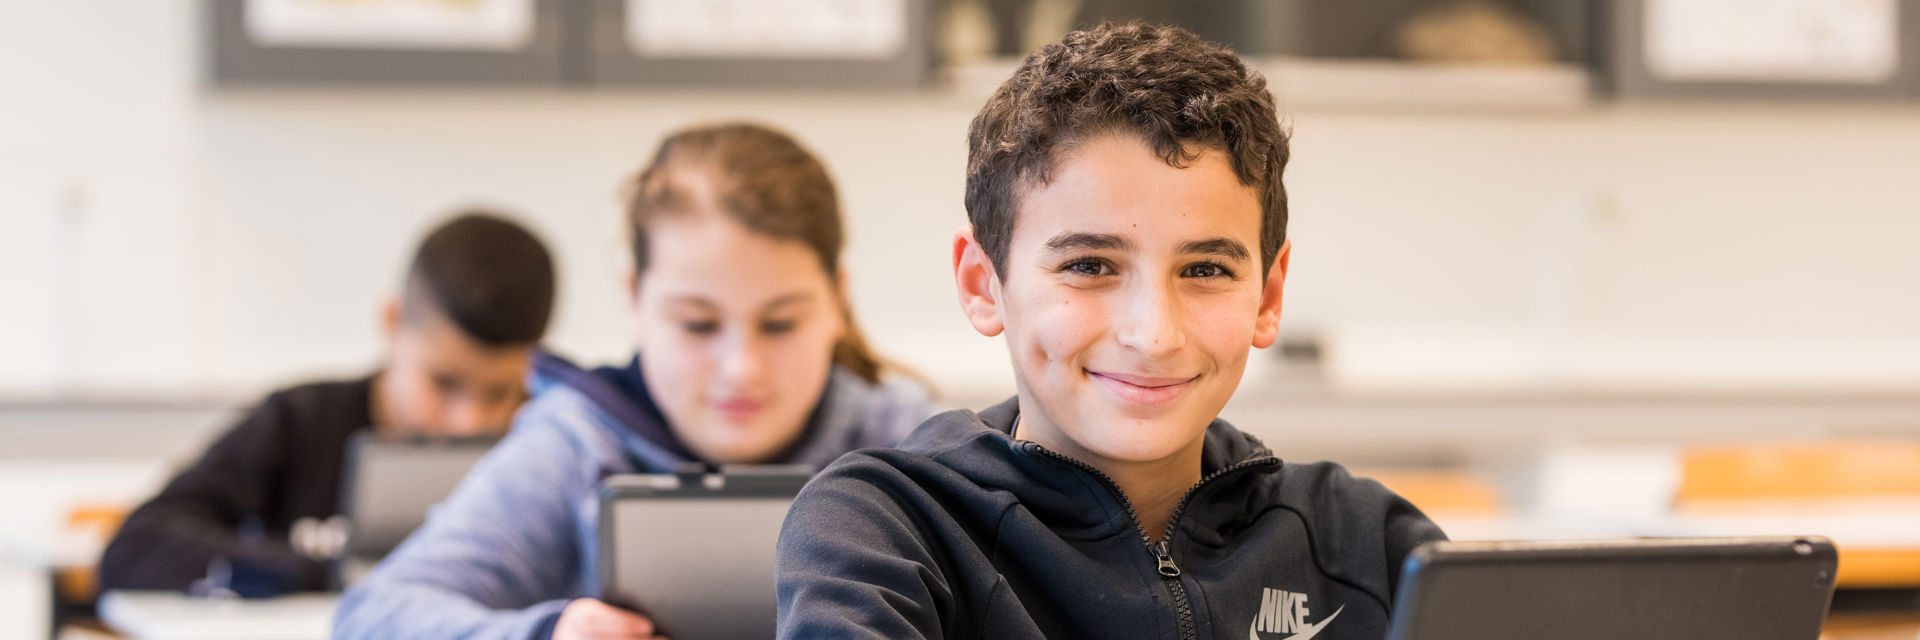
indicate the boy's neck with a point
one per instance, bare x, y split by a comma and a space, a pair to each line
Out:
1154, 487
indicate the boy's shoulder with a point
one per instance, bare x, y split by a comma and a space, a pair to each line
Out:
329, 396
1327, 488
329, 410
954, 457
950, 443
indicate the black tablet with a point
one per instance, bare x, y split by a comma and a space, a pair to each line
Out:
390, 483
694, 551
1774, 588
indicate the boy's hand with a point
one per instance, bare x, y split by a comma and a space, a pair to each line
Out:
590, 619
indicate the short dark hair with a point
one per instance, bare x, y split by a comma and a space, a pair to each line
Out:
1180, 94
488, 277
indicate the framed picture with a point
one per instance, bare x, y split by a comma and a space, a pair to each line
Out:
763, 43
1819, 49
327, 42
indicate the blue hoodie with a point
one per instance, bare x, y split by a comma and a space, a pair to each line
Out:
964, 532
516, 540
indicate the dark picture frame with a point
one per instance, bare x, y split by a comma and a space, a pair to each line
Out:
236, 59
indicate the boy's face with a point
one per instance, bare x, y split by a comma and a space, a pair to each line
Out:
1131, 296
439, 381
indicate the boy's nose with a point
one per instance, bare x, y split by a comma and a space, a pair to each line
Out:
1148, 322
466, 418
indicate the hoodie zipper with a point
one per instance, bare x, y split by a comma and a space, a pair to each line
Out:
1162, 552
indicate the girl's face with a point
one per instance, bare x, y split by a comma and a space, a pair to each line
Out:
736, 331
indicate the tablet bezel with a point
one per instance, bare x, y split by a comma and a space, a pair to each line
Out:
1816, 551
732, 482
354, 459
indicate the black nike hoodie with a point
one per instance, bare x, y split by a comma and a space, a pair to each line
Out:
964, 532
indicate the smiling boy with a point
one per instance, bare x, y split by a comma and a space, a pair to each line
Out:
1128, 237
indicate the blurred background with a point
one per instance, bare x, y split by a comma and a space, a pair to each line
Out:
1548, 253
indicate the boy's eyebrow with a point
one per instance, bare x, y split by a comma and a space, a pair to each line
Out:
1066, 242
1224, 247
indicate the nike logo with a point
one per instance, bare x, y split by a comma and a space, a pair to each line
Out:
1305, 633
1286, 612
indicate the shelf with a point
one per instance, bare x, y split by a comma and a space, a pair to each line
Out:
1314, 83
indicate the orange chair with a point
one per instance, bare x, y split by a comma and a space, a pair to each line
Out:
1442, 493
80, 585
1785, 479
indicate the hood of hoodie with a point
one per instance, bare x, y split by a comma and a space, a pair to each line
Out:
1073, 495
966, 532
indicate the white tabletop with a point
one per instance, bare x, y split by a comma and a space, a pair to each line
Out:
36, 496
154, 615
1851, 525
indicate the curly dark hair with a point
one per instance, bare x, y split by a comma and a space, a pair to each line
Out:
1180, 94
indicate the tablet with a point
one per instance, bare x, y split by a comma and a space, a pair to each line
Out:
1774, 588
694, 551
390, 483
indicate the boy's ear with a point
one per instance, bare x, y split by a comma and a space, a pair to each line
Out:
1266, 326
390, 318
977, 283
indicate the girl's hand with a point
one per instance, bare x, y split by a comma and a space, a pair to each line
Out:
590, 619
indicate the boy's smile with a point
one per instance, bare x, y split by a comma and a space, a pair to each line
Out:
1133, 291
1142, 390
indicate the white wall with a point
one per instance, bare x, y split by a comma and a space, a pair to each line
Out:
164, 238
1635, 245
98, 223
297, 182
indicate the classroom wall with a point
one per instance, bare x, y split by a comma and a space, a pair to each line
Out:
98, 217
161, 238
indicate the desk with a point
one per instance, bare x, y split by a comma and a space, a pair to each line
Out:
35, 498
155, 615
1879, 547
1872, 626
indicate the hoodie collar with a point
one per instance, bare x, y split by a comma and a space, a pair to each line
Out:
1076, 499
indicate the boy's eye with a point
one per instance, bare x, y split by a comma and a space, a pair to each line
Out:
1205, 270
1089, 268
701, 327
776, 326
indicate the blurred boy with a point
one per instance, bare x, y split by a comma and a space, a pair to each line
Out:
459, 341
1128, 237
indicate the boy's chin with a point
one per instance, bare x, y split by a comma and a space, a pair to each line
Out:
1123, 438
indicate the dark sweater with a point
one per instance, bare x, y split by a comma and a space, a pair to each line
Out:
964, 532
280, 464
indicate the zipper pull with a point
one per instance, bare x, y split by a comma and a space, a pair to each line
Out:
1167, 567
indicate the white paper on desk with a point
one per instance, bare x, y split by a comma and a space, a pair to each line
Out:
391, 24
1827, 41
791, 29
